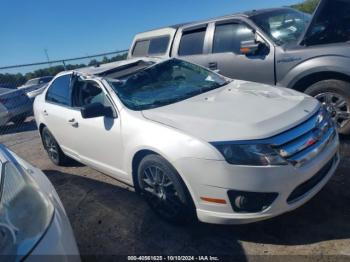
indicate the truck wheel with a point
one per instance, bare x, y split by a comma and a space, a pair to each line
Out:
335, 95
164, 190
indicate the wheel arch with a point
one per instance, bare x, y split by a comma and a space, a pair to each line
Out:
306, 81
141, 154
41, 127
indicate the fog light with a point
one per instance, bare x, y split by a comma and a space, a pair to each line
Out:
250, 202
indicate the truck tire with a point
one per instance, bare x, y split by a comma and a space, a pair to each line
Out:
335, 95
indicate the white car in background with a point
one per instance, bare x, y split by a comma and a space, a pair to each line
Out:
189, 140
32, 218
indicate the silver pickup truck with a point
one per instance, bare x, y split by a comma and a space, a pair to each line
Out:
280, 46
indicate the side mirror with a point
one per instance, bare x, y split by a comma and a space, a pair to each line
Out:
96, 110
251, 47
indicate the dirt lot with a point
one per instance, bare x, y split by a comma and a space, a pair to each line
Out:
108, 218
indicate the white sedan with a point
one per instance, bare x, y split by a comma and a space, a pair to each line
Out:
33, 221
193, 143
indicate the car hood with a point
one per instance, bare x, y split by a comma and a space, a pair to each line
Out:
329, 23
239, 111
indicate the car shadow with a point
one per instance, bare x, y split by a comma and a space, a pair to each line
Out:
109, 219
11, 128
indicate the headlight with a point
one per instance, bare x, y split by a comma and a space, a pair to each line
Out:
25, 212
252, 155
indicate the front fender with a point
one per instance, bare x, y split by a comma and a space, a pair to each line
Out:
329, 63
172, 144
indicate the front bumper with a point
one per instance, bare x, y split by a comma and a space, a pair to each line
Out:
214, 179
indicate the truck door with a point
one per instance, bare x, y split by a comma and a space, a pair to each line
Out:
191, 44
226, 39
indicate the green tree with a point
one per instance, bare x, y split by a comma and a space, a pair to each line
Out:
308, 6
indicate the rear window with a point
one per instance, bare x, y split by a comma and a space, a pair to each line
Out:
154, 46
59, 91
192, 42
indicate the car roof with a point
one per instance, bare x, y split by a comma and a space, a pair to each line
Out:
100, 69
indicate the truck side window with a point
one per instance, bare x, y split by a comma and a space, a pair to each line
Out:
228, 37
141, 48
192, 42
153, 46
158, 45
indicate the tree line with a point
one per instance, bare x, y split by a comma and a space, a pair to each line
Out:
14, 80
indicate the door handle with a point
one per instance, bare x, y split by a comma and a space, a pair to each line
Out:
73, 122
213, 65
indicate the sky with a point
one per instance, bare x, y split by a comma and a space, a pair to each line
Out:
73, 28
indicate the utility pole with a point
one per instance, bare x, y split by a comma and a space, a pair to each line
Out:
47, 56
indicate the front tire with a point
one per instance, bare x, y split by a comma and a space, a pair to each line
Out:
335, 95
52, 148
164, 191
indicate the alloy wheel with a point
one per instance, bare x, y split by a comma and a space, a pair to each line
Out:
337, 106
51, 147
160, 191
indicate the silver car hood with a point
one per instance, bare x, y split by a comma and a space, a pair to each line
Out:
239, 111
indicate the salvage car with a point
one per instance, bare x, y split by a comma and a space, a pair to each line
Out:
191, 141
279, 46
35, 86
15, 106
33, 221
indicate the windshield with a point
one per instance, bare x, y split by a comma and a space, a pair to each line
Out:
165, 83
283, 26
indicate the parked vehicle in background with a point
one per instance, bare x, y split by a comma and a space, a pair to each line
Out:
280, 46
15, 106
164, 127
33, 221
8, 85
35, 86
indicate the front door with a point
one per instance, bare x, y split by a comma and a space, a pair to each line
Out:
225, 53
98, 140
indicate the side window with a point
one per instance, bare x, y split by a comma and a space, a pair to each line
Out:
192, 42
59, 91
228, 37
141, 48
88, 92
159, 45
153, 46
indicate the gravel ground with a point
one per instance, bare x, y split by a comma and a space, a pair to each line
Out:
108, 218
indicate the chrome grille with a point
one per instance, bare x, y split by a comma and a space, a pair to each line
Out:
307, 140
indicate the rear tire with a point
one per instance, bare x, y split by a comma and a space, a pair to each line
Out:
52, 148
335, 95
164, 190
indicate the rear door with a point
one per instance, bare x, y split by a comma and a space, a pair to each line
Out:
191, 44
57, 112
225, 38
